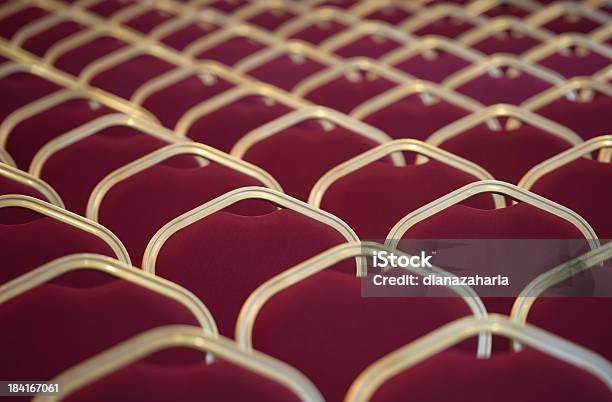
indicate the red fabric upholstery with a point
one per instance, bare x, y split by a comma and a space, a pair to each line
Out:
231, 50
588, 119
249, 249
75, 170
32, 242
580, 186
436, 69
72, 324
391, 14
225, 126
228, 6
26, 139
525, 376
374, 198
137, 207
326, 329
490, 90
564, 25
318, 32
41, 42
107, 8
573, 65
445, 26
220, 381
506, 9
496, 151
298, 156
344, 95
509, 44
12, 23
75, 60
271, 19
24, 88
170, 103
284, 72
149, 20
9, 186
368, 46
182, 37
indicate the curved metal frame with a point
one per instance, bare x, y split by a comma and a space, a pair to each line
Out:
319, 15
364, 29
482, 6
431, 14
490, 186
6, 158
570, 90
19, 176
245, 193
362, 9
186, 148
556, 10
565, 157
180, 336
403, 145
366, 384
326, 259
69, 218
117, 269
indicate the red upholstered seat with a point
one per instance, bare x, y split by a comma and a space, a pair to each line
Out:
41, 42
318, 32
170, 103
26, 138
299, 155
75, 60
223, 127
507, 9
285, 71
322, 325
505, 377
23, 88
9, 186
511, 42
124, 79
368, 46
271, 19
565, 24
231, 50
106, 8
434, 69
372, 199
13, 22
581, 186
148, 20
338, 3
572, 65
182, 37
219, 381
391, 14
227, 6
445, 26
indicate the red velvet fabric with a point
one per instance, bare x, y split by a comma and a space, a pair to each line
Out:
271, 19
445, 27
222, 128
391, 14
564, 25
338, 3
510, 44
224, 257
506, 9
298, 156
107, 8
32, 242
573, 65
284, 72
344, 95
75, 170
374, 198
170, 103
318, 32
588, 119
491, 90
581, 186
368, 46
9, 186
26, 139
228, 6
138, 206
326, 329
182, 37
218, 382
232, 50
23, 89
436, 69
12, 23
525, 376
497, 151
75, 60
147, 21
41, 42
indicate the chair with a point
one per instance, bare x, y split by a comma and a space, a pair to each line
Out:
109, 8
76, 161
553, 369
34, 232
580, 104
389, 11
568, 17
234, 376
572, 180
137, 199
204, 248
15, 181
366, 183
316, 26
315, 318
77, 306
270, 15
476, 138
505, 8
223, 120
448, 20
301, 146
181, 31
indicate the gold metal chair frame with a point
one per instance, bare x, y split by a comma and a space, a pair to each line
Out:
362, 9
482, 6
320, 15
180, 336
117, 269
431, 14
372, 378
187, 148
602, 34
402, 145
33, 182
6, 158
490, 186
556, 10
245, 193
316, 112
69, 218
250, 10
577, 89
327, 259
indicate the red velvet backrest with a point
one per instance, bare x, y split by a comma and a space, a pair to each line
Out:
41, 42
10, 186
75, 60
10, 24
285, 72
23, 89
433, 69
572, 65
232, 50
368, 46
514, 90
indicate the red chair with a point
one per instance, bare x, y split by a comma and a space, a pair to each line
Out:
15, 181
83, 304
369, 39
388, 11
316, 26
107, 8
568, 16
270, 16
315, 319
137, 199
194, 249
448, 20
552, 370
366, 183
34, 232
147, 18
475, 138
578, 183
234, 376
301, 146
580, 104
181, 31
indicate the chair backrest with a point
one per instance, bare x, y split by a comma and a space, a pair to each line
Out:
448, 20
137, 199
553, 370
68, 310
205, 248
15, 181
34, 232
234, 376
